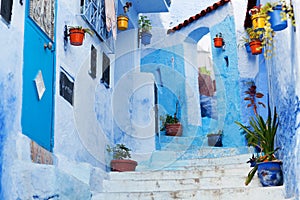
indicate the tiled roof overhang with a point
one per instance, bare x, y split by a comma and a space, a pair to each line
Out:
209, 9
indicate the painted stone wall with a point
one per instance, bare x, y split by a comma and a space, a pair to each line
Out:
10, 90
276, 78
282, 70
225, 64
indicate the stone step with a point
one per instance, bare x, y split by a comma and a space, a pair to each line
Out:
177, 184
205, 171
241, 193
168, 160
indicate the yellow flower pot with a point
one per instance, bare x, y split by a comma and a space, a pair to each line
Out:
122, 23
258, 21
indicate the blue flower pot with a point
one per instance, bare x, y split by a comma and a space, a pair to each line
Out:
146, 38
248, 48
270, 173
277, 24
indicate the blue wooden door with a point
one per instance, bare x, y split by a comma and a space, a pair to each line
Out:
38, 73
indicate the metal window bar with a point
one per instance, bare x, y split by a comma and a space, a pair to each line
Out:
94, 13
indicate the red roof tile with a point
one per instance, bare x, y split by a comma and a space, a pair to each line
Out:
209, 9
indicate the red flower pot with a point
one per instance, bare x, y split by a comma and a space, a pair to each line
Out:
256, 47
76, 36
123, 165
218, 42
174, 129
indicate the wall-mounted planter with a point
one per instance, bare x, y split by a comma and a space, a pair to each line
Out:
122, 22
247, 47
258, 21
277, 24
146, 38
256, 47
218, 42
76, 36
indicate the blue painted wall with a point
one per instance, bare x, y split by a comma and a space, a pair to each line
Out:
8, 110
227, 79
170, 85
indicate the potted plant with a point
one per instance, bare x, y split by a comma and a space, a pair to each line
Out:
255, 41
171, 125
122, 22
121, 161
215, 139
144, 30
77, 34
279, 13
262, 133
218, 40
258, 17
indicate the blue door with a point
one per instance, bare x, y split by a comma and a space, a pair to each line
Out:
38, 72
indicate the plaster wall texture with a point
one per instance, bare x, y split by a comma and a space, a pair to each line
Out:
11, 41
228, 91
284, 94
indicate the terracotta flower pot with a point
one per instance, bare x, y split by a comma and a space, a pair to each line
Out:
76, 36
256, 47
258, 21
122, 22
218, 42
123, 165
174, 129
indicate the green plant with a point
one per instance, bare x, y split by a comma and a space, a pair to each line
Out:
219, 35
144, 24
85, 30
120, 151
261, 133
168, 119
287, 12
253, 35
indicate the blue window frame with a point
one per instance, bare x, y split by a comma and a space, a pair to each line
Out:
93, 11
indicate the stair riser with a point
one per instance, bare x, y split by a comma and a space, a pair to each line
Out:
188, 174
178, 184
246, 193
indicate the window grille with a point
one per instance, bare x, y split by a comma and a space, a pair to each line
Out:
93, 11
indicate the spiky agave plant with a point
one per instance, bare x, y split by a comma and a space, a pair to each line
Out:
261, 133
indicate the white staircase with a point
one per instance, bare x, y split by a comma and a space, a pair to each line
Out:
199, 178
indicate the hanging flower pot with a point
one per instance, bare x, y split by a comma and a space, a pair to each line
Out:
248, 48
144, 29
256, 47
77, 35
146, 38
122, 22
218, 41
277, 24
258, 21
